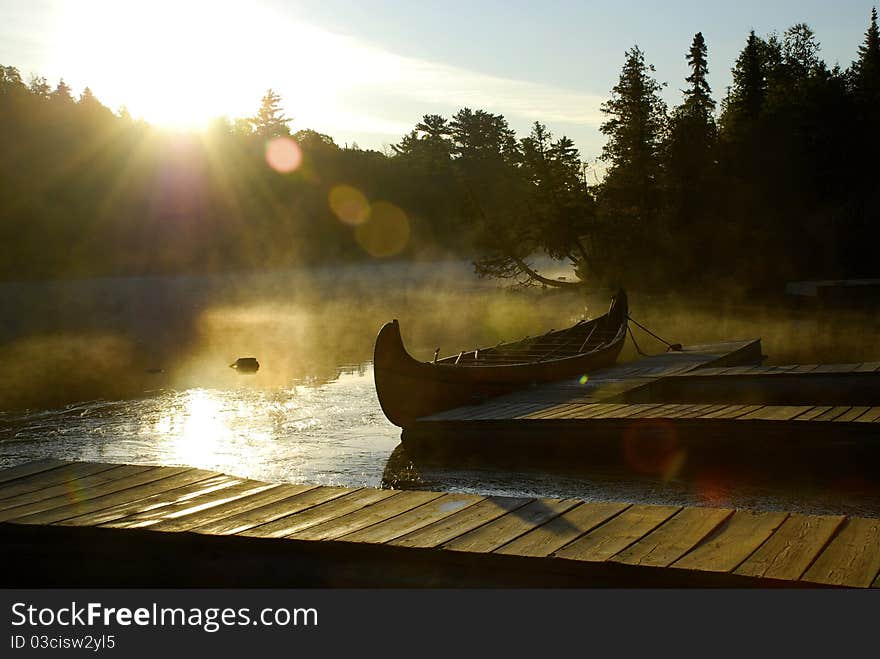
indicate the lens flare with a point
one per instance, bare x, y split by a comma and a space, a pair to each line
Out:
711, 486
651, 447
386, 233
349, 204
283, 155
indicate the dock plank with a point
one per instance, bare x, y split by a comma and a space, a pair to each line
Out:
872, 415
703, 411
59, 476
465, 520
817, 410
733, 543
29, 507
836, 368
795, 545
833, 413
29, 468
618, 533
493, 535
361, 519
233, 506
716, 414
776, 413
675, 537
628, 411
589, 410
70, 489
190, 506
138, 486
415, 519
551, 408
659, 413
265, 512
557, 533
738, 413
687, 411
845, 561
336, 507
852, 414
181, 493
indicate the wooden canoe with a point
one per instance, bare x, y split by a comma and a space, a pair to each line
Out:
409, 389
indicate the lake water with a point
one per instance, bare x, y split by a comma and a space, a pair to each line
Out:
136, 371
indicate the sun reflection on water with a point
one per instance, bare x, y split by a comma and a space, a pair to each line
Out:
204, 428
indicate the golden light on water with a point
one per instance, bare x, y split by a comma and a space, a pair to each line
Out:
283, 155
386, 233
203, 427
349, 204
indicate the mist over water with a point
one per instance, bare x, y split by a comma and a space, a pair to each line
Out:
137, 371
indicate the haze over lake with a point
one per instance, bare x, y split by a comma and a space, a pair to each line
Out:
137, 371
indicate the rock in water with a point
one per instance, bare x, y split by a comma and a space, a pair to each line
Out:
246, 365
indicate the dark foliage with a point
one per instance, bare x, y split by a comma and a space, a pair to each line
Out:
782, 184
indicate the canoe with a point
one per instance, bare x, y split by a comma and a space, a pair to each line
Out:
409, 389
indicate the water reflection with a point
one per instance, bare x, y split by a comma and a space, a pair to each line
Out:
331, 433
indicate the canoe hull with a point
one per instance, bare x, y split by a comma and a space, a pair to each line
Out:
409, 389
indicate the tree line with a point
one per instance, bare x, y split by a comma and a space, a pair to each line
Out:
777, 181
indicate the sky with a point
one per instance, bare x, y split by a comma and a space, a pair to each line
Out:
365, 72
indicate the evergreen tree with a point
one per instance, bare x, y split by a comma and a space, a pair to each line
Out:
863, 193
270, 120
435, 134
690, 157
866, 69
88, 99
482, 136
746, 98
630, 195
62, 92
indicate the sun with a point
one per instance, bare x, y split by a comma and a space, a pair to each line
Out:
175, 64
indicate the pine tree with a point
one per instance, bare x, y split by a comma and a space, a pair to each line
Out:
88, 98
690, 158
481, 135
435, 137
749, 90
698, 97
866, 69
635, 128
62, 92
270, 120
631, 195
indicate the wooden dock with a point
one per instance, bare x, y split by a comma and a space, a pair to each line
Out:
714, 402
96, 524
605, 385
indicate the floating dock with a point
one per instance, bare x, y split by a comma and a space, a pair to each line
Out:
714, 402
97, 524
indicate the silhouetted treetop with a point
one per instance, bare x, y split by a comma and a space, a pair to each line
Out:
866, 68
270, 120
782, 187
698, 97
